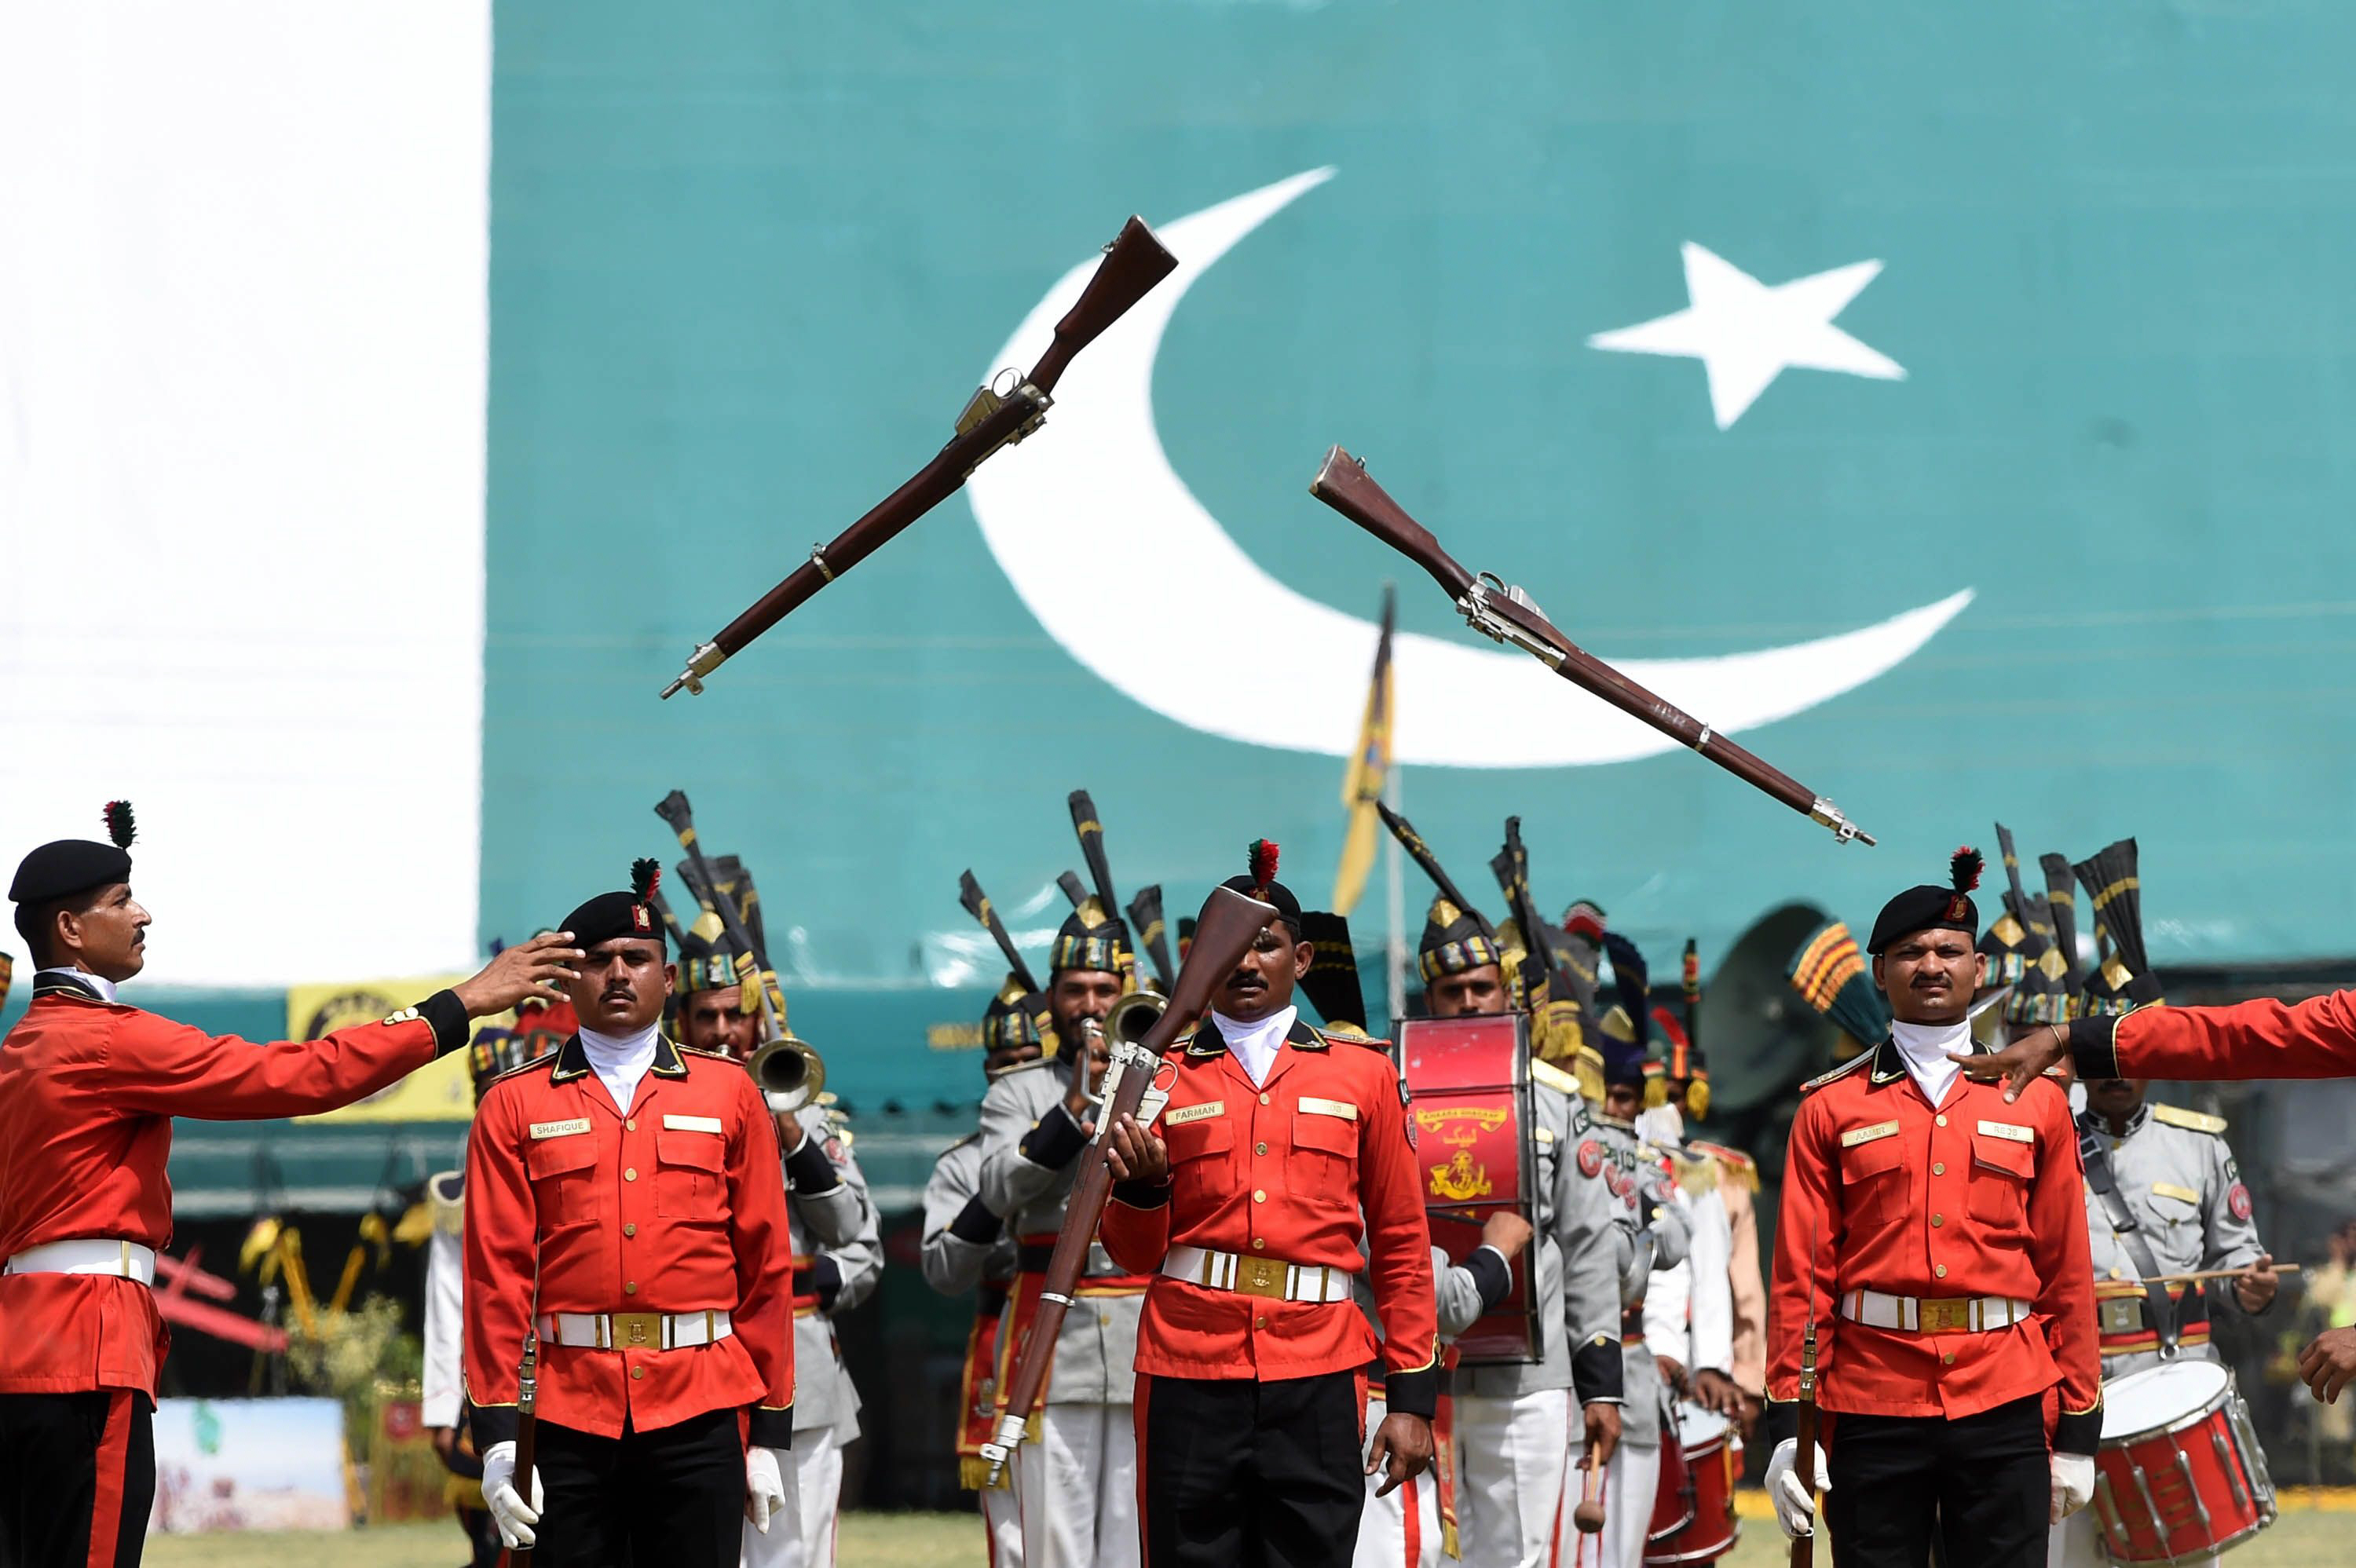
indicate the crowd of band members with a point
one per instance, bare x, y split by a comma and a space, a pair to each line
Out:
695, 1355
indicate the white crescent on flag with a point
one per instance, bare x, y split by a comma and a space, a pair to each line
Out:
1458, 705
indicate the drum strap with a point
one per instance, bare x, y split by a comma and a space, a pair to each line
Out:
2104, 1183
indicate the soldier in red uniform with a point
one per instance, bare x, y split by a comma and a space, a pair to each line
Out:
622, 1196
2259, 1039
1280, 1148
89, 1086
1935, 1235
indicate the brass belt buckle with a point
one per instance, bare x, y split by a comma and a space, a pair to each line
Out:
638, 1330
1948, 1314
1260, 1277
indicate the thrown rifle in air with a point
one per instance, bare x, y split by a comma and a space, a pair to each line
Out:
1133, 264
1506, 615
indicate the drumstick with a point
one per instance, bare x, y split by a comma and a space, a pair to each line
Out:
2211, 1274
1589, 1515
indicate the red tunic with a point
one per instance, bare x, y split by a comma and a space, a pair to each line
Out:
1975, 1198
1284, 1170
677, 1206
88, 1090
2262, 1038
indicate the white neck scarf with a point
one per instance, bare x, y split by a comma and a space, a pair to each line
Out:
1255, 1045
1923, 1048
99, 983
620, 1060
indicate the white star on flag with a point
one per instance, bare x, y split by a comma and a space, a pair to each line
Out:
1746, 334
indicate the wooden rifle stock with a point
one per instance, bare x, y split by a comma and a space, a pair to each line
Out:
1223, 932
1804, 1462
1506, 615
1134, 262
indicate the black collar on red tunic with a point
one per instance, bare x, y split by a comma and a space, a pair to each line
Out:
1888, 1066
1302, 1036
50, 982
572, 1059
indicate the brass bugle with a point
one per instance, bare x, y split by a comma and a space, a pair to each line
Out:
1132, 1015
790, 1069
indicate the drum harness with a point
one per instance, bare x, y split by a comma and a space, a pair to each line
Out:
2104, 1183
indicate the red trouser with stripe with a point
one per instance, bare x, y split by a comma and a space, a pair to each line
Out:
80, 1479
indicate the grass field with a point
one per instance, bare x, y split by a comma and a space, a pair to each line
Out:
2299, 1540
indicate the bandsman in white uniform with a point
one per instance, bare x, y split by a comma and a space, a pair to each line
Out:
2164, 1196
1077, 1479
1661, 1238
967, 1249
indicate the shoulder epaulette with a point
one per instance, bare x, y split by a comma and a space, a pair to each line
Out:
544, 1059
1698, 1177
2177, 1116
1032, 1065
446, 1191
1553, 1077
699, 1050
1851, 1065
1359, 1036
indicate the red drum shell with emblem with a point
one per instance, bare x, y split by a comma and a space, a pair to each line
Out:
2180, 1474
1468, 1082
1700, 1526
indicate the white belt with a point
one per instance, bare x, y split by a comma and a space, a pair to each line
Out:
126, 1260
1933, 1315
634, 1330
1254, 1275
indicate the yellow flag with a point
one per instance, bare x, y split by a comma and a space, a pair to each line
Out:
1369, 769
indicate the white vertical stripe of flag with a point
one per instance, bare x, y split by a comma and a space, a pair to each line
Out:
244, 257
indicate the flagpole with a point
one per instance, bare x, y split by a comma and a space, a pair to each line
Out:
1395, 947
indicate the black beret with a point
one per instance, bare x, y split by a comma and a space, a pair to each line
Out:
1287, 908
65, 866
1930, 907
611, 916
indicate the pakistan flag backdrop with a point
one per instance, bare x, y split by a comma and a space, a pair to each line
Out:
2011, 339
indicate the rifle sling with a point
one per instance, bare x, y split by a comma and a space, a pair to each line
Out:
2104, 1184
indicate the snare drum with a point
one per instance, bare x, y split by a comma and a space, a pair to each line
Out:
1711, 1454
2180, 1474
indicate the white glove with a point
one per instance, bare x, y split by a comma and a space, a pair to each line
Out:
2073, 1485
1796, 1510
514, 1517
765, 1486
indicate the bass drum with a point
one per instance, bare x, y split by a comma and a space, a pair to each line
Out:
2180, 1474
1468, 1086
1696, 1524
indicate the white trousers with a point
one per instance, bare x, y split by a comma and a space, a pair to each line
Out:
2077, 1542
1078, 1489
801, 1534
1001, 1520
1401, 1530
1509, 1477
1629, 1483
